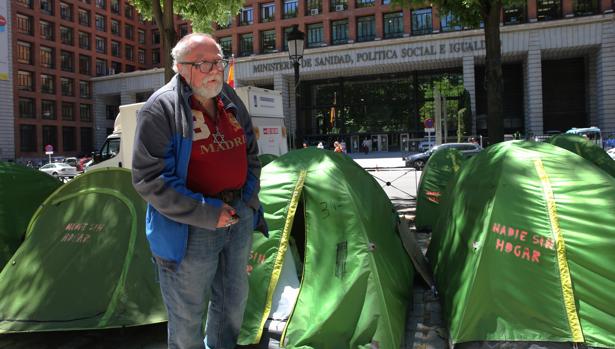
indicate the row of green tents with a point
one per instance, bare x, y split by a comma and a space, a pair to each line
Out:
522, 244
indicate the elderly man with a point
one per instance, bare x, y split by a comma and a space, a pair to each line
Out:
195, 163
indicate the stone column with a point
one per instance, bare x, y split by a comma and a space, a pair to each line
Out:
469, 83
533, 87
7, 109
605, 73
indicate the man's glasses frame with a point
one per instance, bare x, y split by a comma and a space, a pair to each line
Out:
206, 66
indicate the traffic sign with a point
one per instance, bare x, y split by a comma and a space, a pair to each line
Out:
428, 123
431, 129
48, 149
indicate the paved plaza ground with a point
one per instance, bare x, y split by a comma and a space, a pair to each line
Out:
423, 326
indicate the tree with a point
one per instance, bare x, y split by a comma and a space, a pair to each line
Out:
202, 13
471, 13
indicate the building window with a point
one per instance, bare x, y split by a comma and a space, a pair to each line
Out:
515, 14
27, 136
48, 84
85, 112
48, 109
421, 21
24, 25
84, 40
85, 65
101, 45
115, 49
449, 23
115, 27
141, 56
101, 4
129, 11
245, 45
366, 3
393, 25
268, 41
339, 32
84, 17
116, 68
313, 7
183, 30
129, 31
115, 7
129, 52
227, 46
66, 35
101, 23
314, 35
246, 16
287, 30
155, 56
47, 57
141, 37
267, 12
27, 108
155, 37
69, 143
338, 5
67, 61
66, 11
68, 111
585, 7
366, 28
47, 7
25, 81
67, 86
290, 9
87, 140
101, 67
46, 30
50, 135
130, 68
547, 10
84, 89
26, 3
24, 52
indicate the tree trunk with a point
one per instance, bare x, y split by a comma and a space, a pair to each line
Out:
493, 78
165, 20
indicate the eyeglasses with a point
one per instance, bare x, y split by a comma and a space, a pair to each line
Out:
206, 67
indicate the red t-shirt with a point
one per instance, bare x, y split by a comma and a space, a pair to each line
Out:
219, 160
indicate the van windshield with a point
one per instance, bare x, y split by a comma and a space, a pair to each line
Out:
111, 148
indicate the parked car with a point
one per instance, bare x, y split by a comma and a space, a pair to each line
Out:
59, 169
611, 153
419, 160
71, 161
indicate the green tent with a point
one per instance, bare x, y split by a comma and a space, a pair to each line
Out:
335, 248
85, 262
266, 158
524, 249
22, 190
586, 149
443, 165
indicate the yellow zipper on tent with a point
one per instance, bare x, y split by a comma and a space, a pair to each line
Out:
564, 271
279, 259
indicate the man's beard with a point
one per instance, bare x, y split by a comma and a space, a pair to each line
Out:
208, 92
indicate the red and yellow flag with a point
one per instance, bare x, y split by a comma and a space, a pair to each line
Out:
230, 79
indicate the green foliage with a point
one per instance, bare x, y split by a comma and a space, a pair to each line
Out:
202, 13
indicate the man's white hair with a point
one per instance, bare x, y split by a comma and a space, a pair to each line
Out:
182, 48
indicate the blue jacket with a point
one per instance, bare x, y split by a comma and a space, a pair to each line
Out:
161, 153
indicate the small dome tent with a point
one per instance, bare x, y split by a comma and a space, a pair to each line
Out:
586, 149
22, 190
524, 249
85, 262
335, 249
443, 165
266, 158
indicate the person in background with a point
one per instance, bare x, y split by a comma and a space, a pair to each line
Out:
320, 146
195, 163
337, 147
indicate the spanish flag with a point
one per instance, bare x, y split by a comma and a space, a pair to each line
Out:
230, 79
332, 112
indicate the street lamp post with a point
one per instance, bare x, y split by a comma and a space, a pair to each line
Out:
295, 53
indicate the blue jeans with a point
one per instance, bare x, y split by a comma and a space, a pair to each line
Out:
215, 264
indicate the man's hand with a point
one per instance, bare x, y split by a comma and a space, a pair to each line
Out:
228, 216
